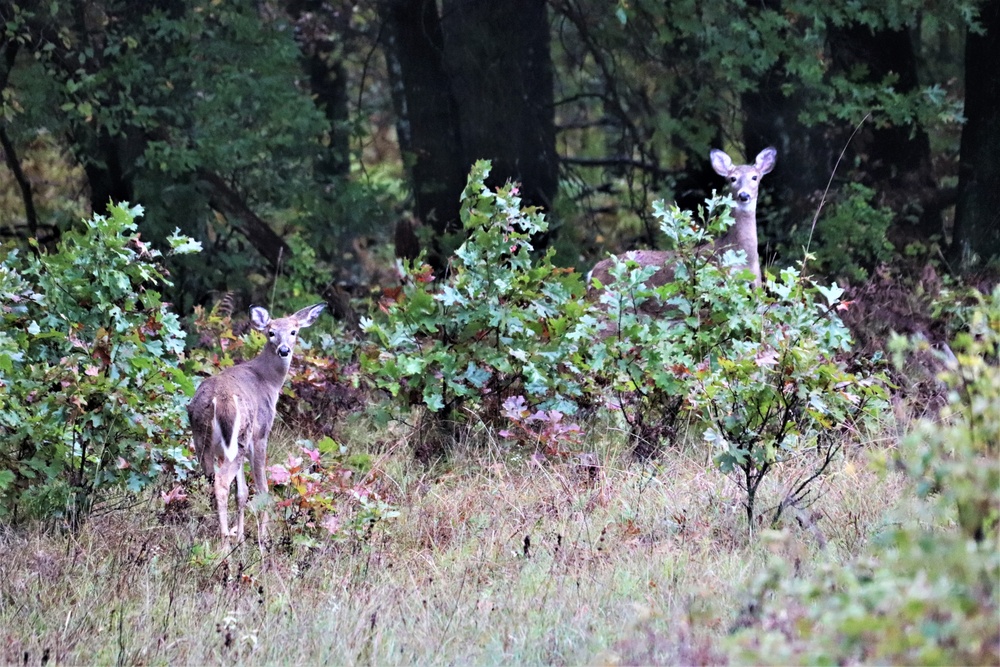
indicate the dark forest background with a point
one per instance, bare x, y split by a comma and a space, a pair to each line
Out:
318, 139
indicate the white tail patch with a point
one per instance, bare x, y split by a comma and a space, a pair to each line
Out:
231, 448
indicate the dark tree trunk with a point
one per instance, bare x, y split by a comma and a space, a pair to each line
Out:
977, 214
474, 84
500, 66
327, 78
893, 159
427, 121
805, 157
109, 173
10, 49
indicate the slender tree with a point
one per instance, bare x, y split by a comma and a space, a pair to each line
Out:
977, 214
426, 114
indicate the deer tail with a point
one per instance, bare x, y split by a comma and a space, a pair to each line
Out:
227, 423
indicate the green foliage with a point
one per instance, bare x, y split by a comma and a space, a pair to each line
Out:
497, 323
851, 237
819, 65
923, 595
783, 390
920, 599
956, 457
92, 392
163, 95
644, 360
759, 369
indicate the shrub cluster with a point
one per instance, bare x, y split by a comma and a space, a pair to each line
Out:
922, 595
91, 392
758, 370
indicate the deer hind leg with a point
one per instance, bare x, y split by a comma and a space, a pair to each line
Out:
225, 470
242, 493
228, 462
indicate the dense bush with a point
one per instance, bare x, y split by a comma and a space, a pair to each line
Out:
92, 393
758, 369
494, 327
924, 595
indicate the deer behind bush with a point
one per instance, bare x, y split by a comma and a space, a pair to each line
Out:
744, 182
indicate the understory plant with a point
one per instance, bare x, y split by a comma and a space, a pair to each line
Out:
91, 393
759, 371
324, 493
928, 590
493, 327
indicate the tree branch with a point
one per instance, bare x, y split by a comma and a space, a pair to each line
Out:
643, 165
224, 199
10, 156
10, 153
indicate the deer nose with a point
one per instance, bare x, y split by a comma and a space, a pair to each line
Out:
284, 351
744, 197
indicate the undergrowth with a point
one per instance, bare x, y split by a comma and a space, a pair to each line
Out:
499, 563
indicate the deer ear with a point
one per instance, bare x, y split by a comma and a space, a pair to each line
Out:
721, 163
259, 318
765, 160
307, 316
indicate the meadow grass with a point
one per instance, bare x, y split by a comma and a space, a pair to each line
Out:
493, 559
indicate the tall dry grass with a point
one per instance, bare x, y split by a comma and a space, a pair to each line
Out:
494, 559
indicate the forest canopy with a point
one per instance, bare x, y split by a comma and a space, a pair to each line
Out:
301, 136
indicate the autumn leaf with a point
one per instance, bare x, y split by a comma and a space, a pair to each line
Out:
766, 358
279, 474
175, 495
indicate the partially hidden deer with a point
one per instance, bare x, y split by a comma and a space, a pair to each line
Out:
232, 413
744, 182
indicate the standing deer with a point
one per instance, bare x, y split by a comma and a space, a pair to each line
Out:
231, 414
744, 180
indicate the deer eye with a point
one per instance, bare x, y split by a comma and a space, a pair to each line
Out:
270, 334
732, 179
295, 332
754, 178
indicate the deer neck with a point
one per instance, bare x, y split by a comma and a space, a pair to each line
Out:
271, 368
743, 236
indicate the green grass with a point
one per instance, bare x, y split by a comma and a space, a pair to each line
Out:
493, 560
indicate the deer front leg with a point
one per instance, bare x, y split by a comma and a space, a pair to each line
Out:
258, 465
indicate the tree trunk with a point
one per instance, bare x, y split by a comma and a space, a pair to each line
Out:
895, 159
805, 156
499, 62
977, 214
108, 168
10, 49
327, 78
426, 115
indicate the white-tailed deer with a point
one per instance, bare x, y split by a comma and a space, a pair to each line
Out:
744, 180
231, 414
